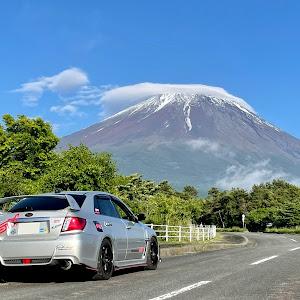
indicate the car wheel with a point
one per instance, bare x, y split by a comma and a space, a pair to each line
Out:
1, 274
105, 261
152, 255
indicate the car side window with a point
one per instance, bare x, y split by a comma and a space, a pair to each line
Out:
123, 211
104, 206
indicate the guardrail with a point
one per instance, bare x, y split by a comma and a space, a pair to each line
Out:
190, 233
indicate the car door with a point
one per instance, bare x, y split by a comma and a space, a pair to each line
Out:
135, 232
112, 223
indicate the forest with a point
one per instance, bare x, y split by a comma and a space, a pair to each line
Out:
31, 164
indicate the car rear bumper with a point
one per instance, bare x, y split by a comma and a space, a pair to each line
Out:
80, 248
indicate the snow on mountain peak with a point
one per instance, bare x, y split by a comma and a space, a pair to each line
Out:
186, 101
121, 98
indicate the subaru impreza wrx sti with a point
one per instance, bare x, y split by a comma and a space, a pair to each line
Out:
93, 229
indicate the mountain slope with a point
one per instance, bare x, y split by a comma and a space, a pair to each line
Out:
190, 139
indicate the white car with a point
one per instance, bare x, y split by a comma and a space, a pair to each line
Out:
93, 229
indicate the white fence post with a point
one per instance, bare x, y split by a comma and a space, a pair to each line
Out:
191, 232
167, 234
179, 233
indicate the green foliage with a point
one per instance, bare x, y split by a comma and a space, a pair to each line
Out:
233, 229
29, 165
160, 203
26, 141
285, 230
12, 182
277, 202
171, 210
190, 191
80, 169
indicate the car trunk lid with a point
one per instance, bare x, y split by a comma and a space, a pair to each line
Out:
37, 225
37, 217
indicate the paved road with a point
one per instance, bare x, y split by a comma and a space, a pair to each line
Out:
269, 269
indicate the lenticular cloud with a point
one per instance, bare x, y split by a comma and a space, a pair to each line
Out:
120, 98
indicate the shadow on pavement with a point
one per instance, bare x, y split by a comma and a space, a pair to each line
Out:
37, 274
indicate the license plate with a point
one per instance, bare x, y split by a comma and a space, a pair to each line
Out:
29, 228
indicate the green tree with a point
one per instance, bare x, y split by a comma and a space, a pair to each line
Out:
190, 191
80, 169
27, 141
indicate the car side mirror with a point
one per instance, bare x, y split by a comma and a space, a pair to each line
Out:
141, 217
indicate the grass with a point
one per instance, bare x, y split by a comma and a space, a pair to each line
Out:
283, 230
233, 229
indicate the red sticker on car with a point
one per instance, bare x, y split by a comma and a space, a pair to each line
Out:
98, 226
3, 226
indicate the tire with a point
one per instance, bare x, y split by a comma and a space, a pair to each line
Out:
1, 274
105, 264
152, 255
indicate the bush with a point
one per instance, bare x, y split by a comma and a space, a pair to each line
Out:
233, 229
283, 230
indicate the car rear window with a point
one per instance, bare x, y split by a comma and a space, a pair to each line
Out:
45, 203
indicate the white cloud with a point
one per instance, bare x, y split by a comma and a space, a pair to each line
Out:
209, 146
120, 98
246, 176
80, 102
67, 109
55, 127
204, 145
101, 114
65, 82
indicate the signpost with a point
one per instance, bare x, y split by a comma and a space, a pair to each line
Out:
243, 220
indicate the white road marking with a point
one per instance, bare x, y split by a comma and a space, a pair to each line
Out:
284, 237
295, 249
263, 260
183, 290
294, 240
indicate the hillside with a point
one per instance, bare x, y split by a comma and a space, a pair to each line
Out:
192, 139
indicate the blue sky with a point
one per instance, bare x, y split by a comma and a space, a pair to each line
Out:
63, 60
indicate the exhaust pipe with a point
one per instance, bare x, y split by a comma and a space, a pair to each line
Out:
65, 264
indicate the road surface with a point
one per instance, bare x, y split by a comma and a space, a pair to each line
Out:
268, 269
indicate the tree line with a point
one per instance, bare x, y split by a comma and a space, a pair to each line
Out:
29, 164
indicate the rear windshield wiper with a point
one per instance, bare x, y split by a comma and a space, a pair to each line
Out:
26, 208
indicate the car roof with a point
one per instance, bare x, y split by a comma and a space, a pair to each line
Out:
78, 193
92, 193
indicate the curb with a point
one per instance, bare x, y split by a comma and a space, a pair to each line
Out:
193, 248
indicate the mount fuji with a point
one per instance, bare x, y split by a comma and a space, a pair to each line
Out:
194, 139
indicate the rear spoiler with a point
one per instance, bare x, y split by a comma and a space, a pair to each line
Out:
72, 202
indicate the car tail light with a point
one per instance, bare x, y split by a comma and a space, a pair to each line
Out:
73, 223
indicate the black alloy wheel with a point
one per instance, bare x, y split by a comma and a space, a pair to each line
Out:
105, 261
152, 255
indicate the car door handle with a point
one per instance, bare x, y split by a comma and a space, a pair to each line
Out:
128, 227
107, 224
